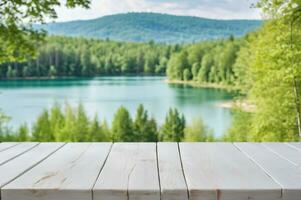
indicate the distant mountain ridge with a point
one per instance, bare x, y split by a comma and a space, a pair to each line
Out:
142, 27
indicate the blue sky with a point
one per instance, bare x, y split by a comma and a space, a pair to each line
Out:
218, 9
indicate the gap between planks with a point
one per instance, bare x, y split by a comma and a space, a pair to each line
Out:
33, 165
105, 161
26, 149
280, 161
10, 145
180, 156
158, 171
262, 168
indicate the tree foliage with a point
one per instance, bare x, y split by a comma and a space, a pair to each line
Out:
264, 66
69, 124
145, 128
18, 39
206, 62
4, 131
198, 132
271, 74
173, 128
122, 127
162, 28
61, 56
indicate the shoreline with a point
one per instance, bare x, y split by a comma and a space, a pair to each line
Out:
244, 105
241, 104
202, 85
77, 77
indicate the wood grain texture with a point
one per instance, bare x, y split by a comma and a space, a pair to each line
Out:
7, 145
26, 161
15, 151
68, 174
220, 171
296, 145
282, 171
130, 173
285, 151
172, 181
150, 171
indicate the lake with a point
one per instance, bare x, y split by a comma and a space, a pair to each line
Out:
23, 100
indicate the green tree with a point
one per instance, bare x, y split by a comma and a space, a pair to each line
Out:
271, 68
173, 128
152, 131
26, 72
241, 128
81, 125
176, 65
227, 60
242, 64
10, 72
61, 56
195, 70
198, 132
122, 126
280, 8
161, 68
41, 131
68, 132
23, 133
206, 67
272, 88
106, 131
286, 14
52, 71
186, 75
4, 119
18, 39
140, 123
145, 129
150, 63
56, 121
97, 134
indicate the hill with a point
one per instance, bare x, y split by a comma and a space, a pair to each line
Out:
141, 27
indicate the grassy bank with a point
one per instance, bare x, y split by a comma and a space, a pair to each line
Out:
242, 104
203, 85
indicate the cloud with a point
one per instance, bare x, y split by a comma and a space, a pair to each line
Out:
217, 9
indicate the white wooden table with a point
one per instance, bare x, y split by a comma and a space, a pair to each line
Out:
150, 171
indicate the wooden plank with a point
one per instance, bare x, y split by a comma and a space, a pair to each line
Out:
26, 161
130, 173
296, 145
15, 151
220, 171
7, 145
172, 181
285, 151
68, 174
282, 171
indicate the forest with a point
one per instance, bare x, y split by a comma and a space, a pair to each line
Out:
204, 62
63, 56
147, 26
68, 124
264, 66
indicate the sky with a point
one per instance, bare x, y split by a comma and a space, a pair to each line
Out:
216, 9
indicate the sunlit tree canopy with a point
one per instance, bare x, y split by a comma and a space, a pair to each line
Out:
18, 39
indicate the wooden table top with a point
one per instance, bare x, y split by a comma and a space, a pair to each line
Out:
150, 171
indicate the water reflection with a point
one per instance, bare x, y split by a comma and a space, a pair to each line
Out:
188, 94
24, 100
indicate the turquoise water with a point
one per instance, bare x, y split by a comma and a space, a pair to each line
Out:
23, 100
